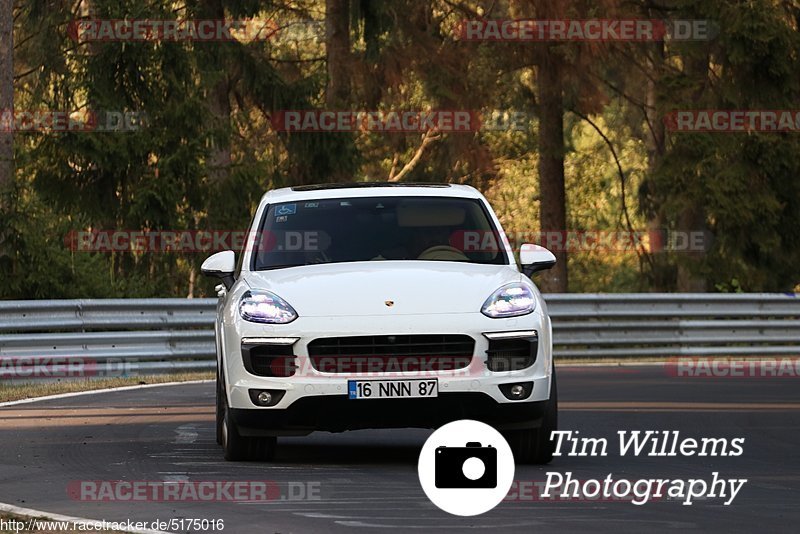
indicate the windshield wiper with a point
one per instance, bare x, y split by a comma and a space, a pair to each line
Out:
282, 266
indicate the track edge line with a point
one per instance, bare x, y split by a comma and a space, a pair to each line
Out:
36, 514
97, 391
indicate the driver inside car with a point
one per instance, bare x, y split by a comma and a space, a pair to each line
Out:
433, 243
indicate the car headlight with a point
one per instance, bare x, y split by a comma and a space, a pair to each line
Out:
265, 307
509, 301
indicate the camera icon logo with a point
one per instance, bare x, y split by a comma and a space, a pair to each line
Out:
472, 466
466, 468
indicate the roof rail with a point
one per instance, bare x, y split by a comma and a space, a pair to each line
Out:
351, 185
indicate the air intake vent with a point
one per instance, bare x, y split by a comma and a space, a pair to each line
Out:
511, 354
393, 353
269, 360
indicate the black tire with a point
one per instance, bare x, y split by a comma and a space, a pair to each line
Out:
238, 448
533, 445
220, 409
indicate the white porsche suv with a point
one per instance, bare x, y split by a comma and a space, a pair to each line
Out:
379, 305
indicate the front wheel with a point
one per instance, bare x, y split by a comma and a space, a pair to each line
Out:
220, 412
533, 445
238, 448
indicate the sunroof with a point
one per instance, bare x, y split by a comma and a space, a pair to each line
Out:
316, 187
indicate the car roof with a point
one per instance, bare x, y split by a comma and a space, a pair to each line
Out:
369, 189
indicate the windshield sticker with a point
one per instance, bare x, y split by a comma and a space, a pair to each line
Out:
311, 205
282, 218
286, 209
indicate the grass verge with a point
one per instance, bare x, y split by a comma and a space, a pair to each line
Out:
11, 392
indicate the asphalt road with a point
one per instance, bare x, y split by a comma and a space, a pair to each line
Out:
366, 481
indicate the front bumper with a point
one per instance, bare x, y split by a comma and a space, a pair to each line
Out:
337, 413
471, 392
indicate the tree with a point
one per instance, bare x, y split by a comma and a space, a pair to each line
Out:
337, 39
6, 93
563, 84
552, 195
208, 152
741, 187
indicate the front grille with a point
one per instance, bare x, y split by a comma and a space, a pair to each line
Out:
511, 354
392, 353
269, 360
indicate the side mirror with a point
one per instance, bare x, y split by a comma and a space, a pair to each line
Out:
221, 265
535, 258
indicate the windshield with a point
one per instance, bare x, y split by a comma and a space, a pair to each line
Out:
375, 229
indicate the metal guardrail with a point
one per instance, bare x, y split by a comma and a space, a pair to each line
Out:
147, 336
105, 337
675, 324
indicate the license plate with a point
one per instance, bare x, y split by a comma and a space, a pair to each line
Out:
392, 389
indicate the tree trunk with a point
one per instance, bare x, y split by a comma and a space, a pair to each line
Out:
337, 46
6, 94
218, 100
219, 158
692, 217
552, 207
655, 142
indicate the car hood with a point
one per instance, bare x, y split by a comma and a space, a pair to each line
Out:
384, 287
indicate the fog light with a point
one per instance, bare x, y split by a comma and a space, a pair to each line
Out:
518, 391
266, 397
